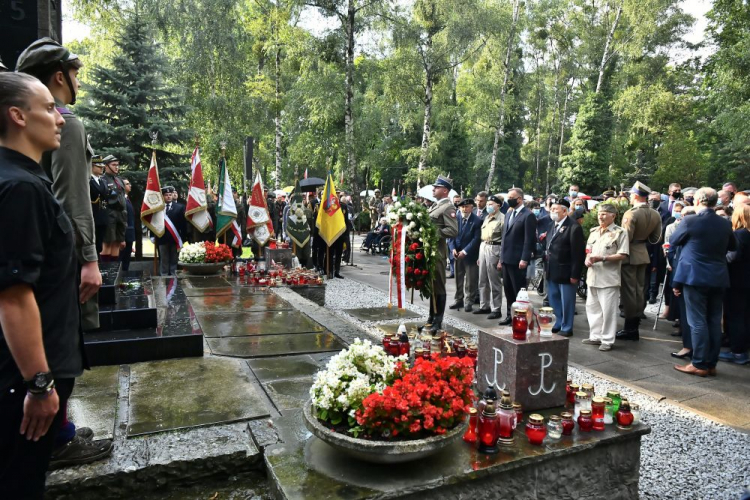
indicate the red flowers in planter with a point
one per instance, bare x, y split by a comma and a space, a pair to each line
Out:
217, 253
431, 398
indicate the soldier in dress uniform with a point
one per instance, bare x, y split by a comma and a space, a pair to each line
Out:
114, 237
443, 215
98, 194
643, 225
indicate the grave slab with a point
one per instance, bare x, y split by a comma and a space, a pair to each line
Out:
201, 292
94, 401
260, 323
206, 282
289, 394
534, 371
239, 303
380, 313
452, 330
260, 346
197, 392
287, 367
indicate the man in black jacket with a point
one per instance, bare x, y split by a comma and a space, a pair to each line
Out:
566, 251
519, 239
98, 193
168, 245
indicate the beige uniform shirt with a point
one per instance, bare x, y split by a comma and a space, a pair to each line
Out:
610, 241
492, 228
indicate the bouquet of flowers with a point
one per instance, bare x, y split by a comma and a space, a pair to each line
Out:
420, 251
204, 252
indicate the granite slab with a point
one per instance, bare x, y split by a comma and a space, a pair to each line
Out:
260, 346
206, 282
257, 323
283, 368
200, 292
196, 392
381, 313
239, 303
94, 401
289, 394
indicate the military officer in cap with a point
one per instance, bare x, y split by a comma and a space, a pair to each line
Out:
114, 237
376, 209
168, 246
643, 225
98, 194
443, 215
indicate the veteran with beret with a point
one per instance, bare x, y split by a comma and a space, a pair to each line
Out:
465, 250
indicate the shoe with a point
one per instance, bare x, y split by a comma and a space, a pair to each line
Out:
591, 342
676, 323
468, 308
676, 334
738, 359
85, 433
79, 452
456, 305
628, 335
338, 276
494, 315
565, 334
712, 372
652, 300
555, 330
507, 321
483, 311
643, 315
450, 276
686, 355
605, 347
691, 370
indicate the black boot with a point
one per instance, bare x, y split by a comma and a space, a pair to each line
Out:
437, 324
508, 319
630, 330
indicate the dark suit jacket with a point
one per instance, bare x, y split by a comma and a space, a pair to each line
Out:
705, 239
519, 237
739, 260
468, 238
665, 212
566, 251
130, 227
177, 215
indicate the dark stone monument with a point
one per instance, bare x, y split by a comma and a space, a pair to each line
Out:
23, 21
281, 256
534, 371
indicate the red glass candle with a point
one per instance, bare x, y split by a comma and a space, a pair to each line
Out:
624, 417
571, 395
394, 346
506, 419
472, 353
597, 413
488, 432
520, 324
567, 423
403, 344
387, 341
471, 433
535, 429
585, 422
518, 408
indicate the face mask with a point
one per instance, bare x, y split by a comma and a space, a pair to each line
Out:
572, 194
677, 195
719, 203
536, 212
579, 208
554, 216
490, 209
677, 215
655, 204
689, 199
512, 202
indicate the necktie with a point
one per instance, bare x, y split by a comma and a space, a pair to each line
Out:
512, 217
671, 205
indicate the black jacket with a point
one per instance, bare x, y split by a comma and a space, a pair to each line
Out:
739, 261
519, 237
98, 192
566, 251
176, 214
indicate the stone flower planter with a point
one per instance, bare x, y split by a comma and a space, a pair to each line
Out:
202, 268
382, 452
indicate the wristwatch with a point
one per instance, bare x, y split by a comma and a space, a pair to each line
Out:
40, 384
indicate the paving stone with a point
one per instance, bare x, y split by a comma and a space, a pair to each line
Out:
380, 313
94, 401
200, 292
239, 303
275, 345
289, 394
185, 393
260, 323
452, 330
283, 368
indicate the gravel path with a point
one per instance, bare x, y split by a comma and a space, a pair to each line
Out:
686, 456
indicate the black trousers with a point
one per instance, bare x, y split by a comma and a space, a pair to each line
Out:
737, 318
126, 254
23, 463
337, 253
513, 280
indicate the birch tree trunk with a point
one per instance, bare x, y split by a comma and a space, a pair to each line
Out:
607, 44
351, 160
277, 119
499, 129
426, 126
568, 90
552, 130
538, 136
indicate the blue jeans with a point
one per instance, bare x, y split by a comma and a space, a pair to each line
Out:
562, 298
704, 305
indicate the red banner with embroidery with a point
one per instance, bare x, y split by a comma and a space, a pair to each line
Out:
399, 253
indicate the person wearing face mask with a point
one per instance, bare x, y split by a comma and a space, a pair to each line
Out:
578, 209
572, 193
490, 284
465, 250
666, 209
671, 224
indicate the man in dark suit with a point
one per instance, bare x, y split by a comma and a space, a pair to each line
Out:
702, 276
465, 250
98, 192
167, 243
519, 239
127, 251
665, 208
566, 251
481, 201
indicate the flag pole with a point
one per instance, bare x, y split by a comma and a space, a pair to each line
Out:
154, 136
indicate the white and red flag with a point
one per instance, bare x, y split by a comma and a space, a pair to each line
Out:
258, 219
196, 211
152, 209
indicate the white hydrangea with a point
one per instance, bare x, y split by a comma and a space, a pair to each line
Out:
409, 216
192, 253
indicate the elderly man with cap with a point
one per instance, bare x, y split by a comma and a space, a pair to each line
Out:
168, 243
114, 237
443, 216
643, 225
609, 246
490, 285
465, 250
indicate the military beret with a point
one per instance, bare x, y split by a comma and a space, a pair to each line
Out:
495, 199
167, 189
109, 159
562, 202
466, 201
44, 52
443, 181
606, 207
640, 189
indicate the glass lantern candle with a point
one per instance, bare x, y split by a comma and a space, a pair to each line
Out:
535, 429
597, 413
403, 343
546, 319
518, 408
488, 430
489, 395
635, 409
473, 353
394, 346
588, 389
471, 433
520, 324
624, 416
554, 427
583, 402
609, 411
506, 420
585, 422
571, 396
567, 423
616, 399
387, 341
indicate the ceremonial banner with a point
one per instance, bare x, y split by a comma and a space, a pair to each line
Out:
226, 210
297, 226
330, 221
257, 213
152, 209
196, 211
